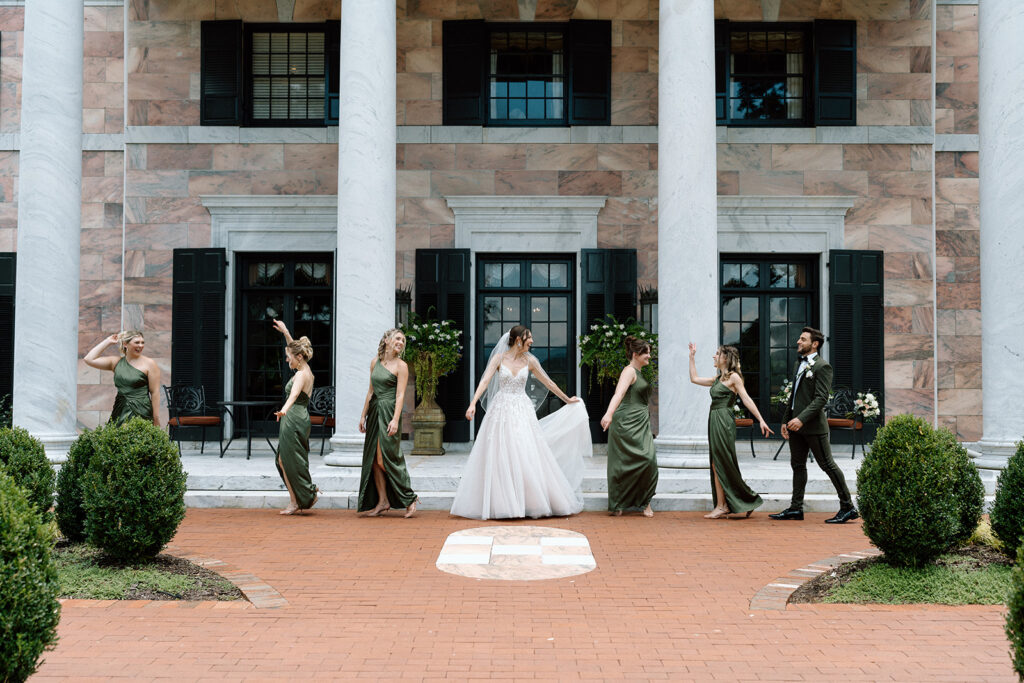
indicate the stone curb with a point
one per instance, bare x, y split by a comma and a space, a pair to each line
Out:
775, 595
257, 591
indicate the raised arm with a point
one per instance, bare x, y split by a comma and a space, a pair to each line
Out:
702, 381
539, 373
492, 367
626, 378
94, 360
403, 380
283, 329
736, 385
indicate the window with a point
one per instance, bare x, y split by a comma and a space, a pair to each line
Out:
526, 74
785, 74
7, 272
269, 74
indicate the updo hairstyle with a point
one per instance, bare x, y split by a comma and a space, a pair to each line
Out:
732, 361
635, 346
125, 338
301, 348
383, 345
516, 333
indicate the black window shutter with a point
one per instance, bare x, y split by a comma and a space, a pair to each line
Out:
855, 316
220, 100
197, 321
835, 73
608, 284
333, 56
7, 271
443, 284
463, 63
590, 73
721, 70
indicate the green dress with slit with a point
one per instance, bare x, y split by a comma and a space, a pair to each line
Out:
293, 449
632, 464
132, 394
378, 415
722, 442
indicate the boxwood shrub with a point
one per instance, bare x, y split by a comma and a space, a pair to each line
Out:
133, 491
24, 459
70, 512
29, 609
1007, 513
1015, 615
911, 489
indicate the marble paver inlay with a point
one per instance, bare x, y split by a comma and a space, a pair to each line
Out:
516, 553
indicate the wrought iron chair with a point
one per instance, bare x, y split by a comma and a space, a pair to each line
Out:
321, 413
186, 407
842, 417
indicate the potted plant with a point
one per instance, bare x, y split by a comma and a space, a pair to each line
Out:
432, 350
739, 414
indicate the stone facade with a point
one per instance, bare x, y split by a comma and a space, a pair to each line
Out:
886, 164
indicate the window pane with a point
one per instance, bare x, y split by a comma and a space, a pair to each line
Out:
559, 334
510, 275
539, 275
730, 333
492, 308
510, 309
540, 334
559, 308
731, 275
535, 109
539, 308
777, 305
492, 333
798, 309
527, 61
492, 275
751, 275
778, 335
750, 307
731, 309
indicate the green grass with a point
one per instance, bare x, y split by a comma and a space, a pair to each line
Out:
952, 581
84, 573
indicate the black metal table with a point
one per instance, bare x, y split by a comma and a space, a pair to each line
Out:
246, 407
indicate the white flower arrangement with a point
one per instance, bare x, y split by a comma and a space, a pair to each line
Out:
866, 405
785, 394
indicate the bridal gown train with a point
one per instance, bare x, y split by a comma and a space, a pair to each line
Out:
521, 466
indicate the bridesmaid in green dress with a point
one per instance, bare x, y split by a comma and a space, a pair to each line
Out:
136, 377
632, 465
381, 421
293, 436
730, 493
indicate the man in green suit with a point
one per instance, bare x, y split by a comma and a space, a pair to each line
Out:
805, 425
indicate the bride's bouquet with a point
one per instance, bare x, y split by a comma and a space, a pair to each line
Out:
603, 350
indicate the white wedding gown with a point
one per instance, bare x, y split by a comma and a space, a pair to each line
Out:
521, 466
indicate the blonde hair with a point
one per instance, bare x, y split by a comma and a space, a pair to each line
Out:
732, 361
388, 336
125, 337
301, 348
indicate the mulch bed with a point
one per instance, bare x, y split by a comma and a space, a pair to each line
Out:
968, 557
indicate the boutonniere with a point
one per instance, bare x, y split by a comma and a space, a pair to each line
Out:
808, 373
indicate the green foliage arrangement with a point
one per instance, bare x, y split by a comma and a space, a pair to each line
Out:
70, 511
1007, 513
29, 609
603, 350
1015, 614
432, 349
909, 491
24, 459
133, 491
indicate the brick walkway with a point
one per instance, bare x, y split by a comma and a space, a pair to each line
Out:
669, 600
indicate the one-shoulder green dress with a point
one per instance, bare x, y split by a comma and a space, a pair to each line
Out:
132, 394
722, 441
379, 414
293, 449
632, 464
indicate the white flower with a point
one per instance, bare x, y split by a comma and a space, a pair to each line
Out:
608, 333
809, 373
622, 327
593, 327
869, 396
586, 338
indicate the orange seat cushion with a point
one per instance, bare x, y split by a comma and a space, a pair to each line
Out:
321, 420
194, 421
840, 422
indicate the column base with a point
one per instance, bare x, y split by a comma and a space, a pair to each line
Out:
992, 454
56, 445
346, 450
683, 452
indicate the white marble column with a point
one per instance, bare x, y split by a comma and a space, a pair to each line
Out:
365, 303
687, 223
1001, 129
49, 225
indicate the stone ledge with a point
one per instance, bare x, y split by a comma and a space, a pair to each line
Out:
775, 594
258, 592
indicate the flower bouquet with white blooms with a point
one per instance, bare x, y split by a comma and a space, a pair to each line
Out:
866, 406
432, 349
784, 394
603, 350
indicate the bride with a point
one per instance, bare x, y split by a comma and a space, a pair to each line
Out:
521, 466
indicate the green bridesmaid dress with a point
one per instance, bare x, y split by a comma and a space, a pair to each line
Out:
293, 449
632, 465
132, 394
379, 414
722, 441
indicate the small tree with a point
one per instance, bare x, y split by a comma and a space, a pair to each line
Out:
1007, 514
29, 609
24, 459
70, 511
133, 491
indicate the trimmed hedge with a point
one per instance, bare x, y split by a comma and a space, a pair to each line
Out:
29, 610
1015, 615
915, 493
133, 491
70, 511
24, 459
1007, 513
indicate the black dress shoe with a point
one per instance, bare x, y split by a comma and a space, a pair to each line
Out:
843, 516
788, 513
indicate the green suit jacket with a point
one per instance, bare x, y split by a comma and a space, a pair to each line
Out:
811, 397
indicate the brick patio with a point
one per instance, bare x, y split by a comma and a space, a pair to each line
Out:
670, 600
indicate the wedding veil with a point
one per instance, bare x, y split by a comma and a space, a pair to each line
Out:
535, 389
